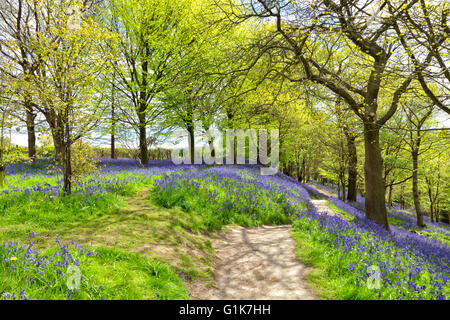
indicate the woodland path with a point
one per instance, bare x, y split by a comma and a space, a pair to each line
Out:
321, 205
256, 264
259, 264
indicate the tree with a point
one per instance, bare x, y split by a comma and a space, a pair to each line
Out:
346, 123
5, 112
417, 117
316, 38
436, 174
151, 40
395, 158
8, 153
408, 142
423, 30
65, 85
18, 28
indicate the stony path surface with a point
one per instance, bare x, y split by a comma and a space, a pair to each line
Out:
323, 192
322, 207
256, 263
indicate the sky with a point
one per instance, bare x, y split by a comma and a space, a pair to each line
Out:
20, 138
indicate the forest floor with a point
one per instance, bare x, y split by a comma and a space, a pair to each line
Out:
322, 207
236, 264
325, 193
256, 264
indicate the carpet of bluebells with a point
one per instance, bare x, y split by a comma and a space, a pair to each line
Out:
232, 195
33, 193
41, 275
29, 274
412, 266
43, 180
400, 218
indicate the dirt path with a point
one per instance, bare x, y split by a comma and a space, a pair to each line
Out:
322, 207
256, 264
323, 192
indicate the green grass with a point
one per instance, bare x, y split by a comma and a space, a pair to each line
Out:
129, 276
323, 279
36, 210
436, 235
341, 258
109, 274
319, 278
314, 197
254, 206
131, 234
329, 279
340, 212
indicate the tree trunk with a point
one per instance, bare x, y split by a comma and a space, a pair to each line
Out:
211, 147
401, 196
113, 133
142, 108
299, 171
430, 198
390, 197
67, 167
143, 139
304, 170
67, 163
2, 141
191, 140
113, 146
339, 190
375, 205
235, 153
31, 130
56, 129
2, 175
352, 168
113, 126
58, 143
2, 167
435, 202
431, 213
415, 189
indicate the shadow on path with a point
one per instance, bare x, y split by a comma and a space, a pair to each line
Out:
255, 264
